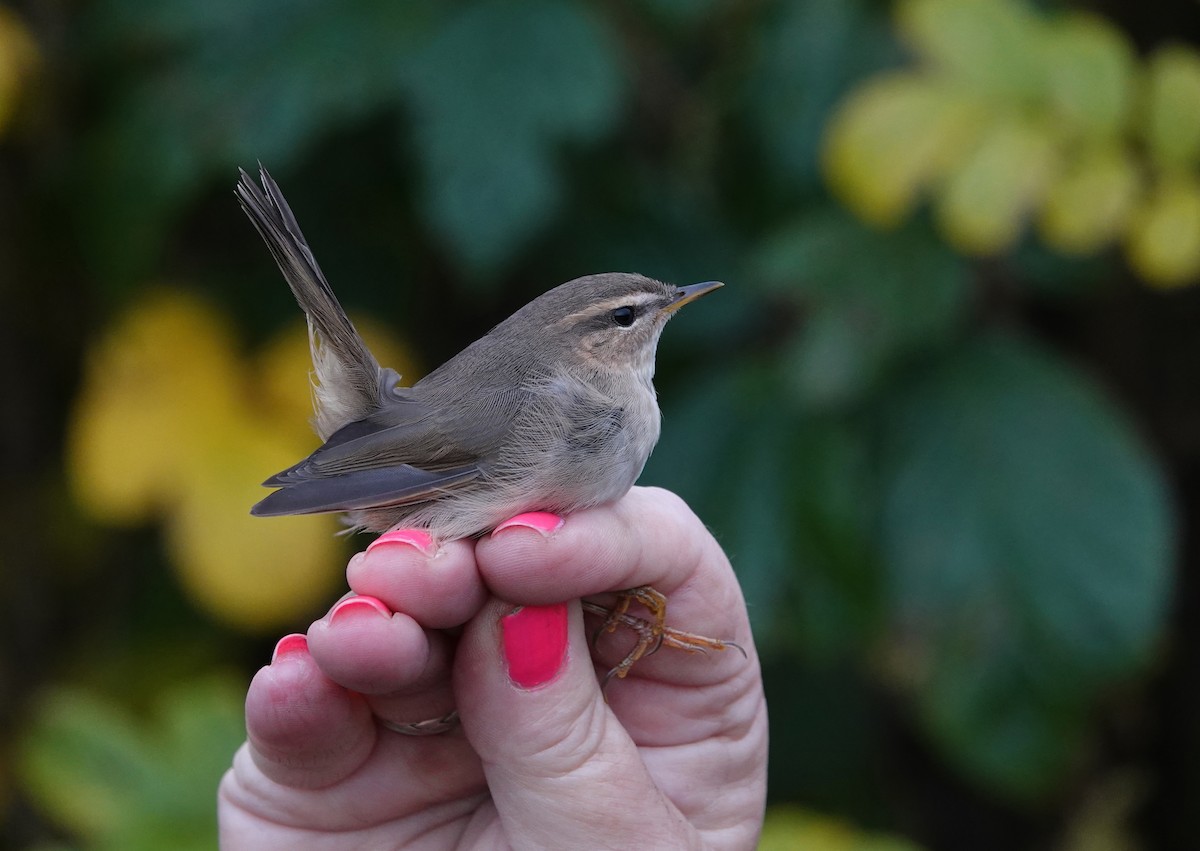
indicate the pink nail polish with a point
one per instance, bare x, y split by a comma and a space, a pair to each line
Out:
359, 604
535, 644
417, 538
541, 521
290, 645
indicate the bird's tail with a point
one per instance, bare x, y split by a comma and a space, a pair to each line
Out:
347, 380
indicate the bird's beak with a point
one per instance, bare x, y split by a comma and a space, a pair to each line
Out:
691, 293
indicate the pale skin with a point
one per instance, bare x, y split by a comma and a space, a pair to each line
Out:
676, 757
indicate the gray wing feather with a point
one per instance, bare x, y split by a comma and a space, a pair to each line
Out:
376, 488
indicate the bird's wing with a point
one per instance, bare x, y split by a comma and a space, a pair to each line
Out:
401, 454
372, 488
433, 436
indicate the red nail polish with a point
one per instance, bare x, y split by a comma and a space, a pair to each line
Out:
359, 604
290, 645
416, 538
541, 521
535, 644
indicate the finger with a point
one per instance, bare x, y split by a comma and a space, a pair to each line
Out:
304, 730
533, 711
362, 645
403, 669
437, 585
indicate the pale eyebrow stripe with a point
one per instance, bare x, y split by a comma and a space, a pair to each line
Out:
631, 300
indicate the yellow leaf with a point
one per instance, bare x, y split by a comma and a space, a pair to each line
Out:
1172, 107
157, 385
1163, 240
1090, 74
984, 203
18, 60
1089, 204
789, 828
892, 138
992, 47
1106, 819
255, 573
170, 420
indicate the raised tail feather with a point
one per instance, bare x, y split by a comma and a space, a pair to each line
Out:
348, 379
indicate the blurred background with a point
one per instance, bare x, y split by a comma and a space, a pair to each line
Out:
945, 417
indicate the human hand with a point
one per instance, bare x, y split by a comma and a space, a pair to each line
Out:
676, 757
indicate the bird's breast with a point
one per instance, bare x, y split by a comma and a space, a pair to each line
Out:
579, 442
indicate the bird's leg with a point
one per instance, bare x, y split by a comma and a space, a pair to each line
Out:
651, 634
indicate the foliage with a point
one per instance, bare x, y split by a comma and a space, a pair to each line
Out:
18, 60
949, 494
129, 785
1009, 115
789, 828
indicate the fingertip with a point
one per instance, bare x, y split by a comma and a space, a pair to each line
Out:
417, 539
359, 604
545, 523
363, 646
535, 644
289, 647
304, 729
439, 591
523, 675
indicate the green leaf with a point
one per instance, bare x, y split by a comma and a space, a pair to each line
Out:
120, 784
682, 15
870, 300
807, 53
724, 417
1028, 544
789, 502
494, 97
249, 82
830, 496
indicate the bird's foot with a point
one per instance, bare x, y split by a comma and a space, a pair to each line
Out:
652, 634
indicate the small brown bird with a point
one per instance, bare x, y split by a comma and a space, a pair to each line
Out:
554, 409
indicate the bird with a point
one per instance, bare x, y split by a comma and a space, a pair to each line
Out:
554, 409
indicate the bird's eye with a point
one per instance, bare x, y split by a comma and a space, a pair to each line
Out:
623, 316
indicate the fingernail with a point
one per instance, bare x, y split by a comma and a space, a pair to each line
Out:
417, 538
289, 645
541, 521
535, 644
358, 604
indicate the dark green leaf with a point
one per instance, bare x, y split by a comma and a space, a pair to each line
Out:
495, 95
117, 785
808, 53
1028, 545
789, 499
253, 82
870, 299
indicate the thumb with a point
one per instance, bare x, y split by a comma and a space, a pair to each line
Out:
562, 771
